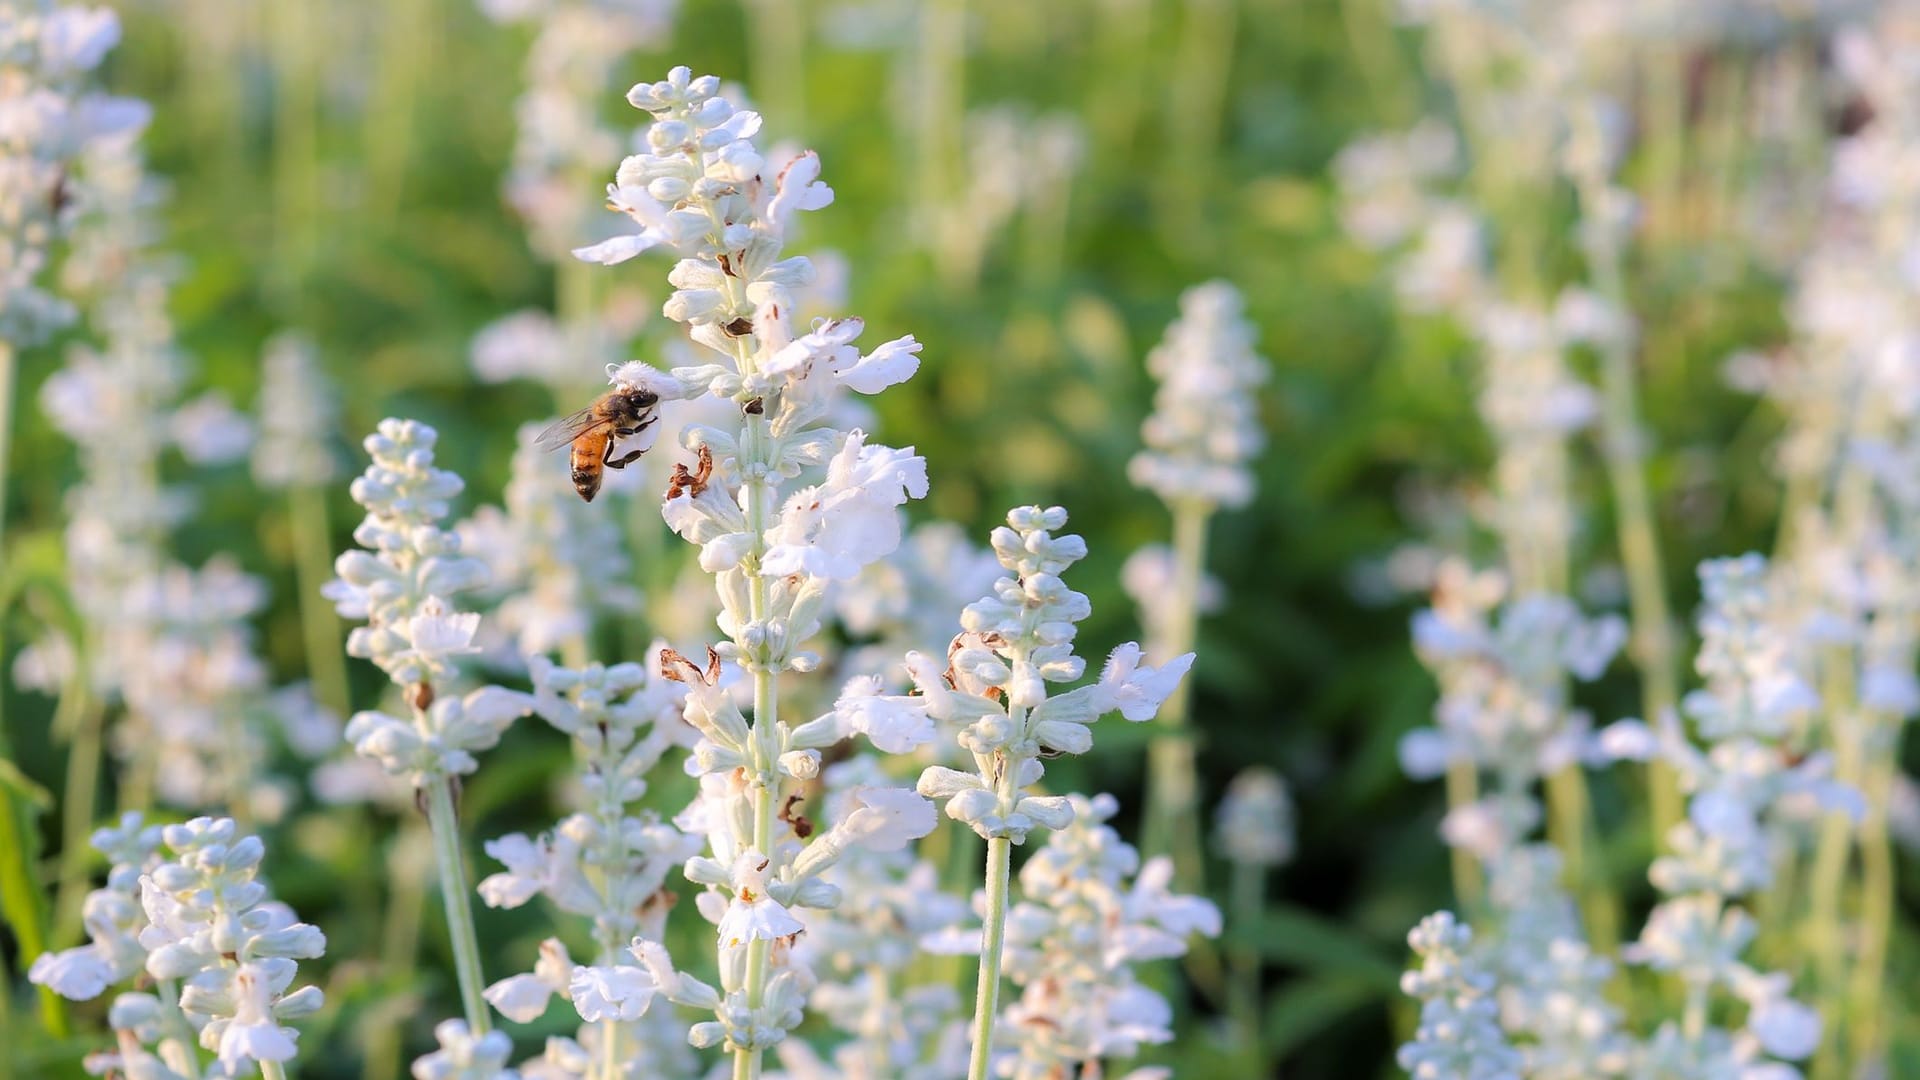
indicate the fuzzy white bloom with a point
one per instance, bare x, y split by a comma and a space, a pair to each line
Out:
400, 585
463, 1056
1015, 164
297, 414
905, 602
578, 46
1205, 425
1255, 819
51, 117
1014, 642
1459, 1036
1503, 665
112, 916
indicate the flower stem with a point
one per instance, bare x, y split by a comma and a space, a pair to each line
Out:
1173, 815
1877, 886
757, 493
1463, 790
444, 822
1622, 448
78, 803
986, 995
319, 626
6, 428
1249, 898
272, 1070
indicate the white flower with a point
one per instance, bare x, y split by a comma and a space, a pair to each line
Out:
1135, 689
79, 974
752, 915
897, 724
1205, 424
463, 1056
833, 530
522, 998
618, 992
252, 1034
210, 431
889, 818
1254, 824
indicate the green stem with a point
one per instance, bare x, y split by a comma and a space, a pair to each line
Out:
7, 376
1876, 917
1569, 820
1621, 446
399, 942
319, 625
78, 804
986, 994
758, 494
1249, 899
179, 1049
1463, 790
444, 822
272, 1070
296, 181
1197, 97
1173, 818
407, 51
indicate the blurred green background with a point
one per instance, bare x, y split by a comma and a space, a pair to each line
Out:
379, 230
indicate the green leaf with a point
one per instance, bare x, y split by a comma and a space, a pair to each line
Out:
1302, 939
1308, 1007
23, 903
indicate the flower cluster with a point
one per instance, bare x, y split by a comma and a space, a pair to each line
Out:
1459, 1036
297, 414
221, 954
47, 51
400, 585
169, 642
1503, 667
605, 863
1726, 849
1254, 825
1089, 912
1205, 425
994, 686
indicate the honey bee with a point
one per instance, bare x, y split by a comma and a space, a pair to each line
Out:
595, 432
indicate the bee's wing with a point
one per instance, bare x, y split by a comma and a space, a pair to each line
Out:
563, 431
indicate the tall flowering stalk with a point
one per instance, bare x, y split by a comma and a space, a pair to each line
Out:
703, 190
1738, 786
605, 863
400, 585
47, 51
1204, 430
1014, 642
297, 413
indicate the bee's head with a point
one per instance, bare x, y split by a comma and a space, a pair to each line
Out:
643, 398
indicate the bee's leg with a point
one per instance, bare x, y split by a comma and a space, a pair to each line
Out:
626, 459
620, 462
